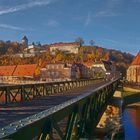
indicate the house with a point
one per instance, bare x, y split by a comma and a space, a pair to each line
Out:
133, 72
17, 72
85, 72
6, 72
59, 72
72, 47
103, 69
27, 70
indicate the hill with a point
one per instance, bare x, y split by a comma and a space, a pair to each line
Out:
86, 53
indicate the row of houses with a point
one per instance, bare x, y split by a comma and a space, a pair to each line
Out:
65, 71
71, 71
56, 71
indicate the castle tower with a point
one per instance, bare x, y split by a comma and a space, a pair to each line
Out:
24, 41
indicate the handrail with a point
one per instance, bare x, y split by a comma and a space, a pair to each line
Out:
17, 93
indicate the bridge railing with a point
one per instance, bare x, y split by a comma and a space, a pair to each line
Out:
74, 119
17, 93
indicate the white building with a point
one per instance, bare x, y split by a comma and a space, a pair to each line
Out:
66, 47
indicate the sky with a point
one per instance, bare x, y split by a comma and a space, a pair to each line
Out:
113, 24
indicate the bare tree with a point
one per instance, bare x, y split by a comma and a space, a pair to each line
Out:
79, 40
91, 42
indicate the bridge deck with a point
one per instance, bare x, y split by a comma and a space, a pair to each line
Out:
16, 111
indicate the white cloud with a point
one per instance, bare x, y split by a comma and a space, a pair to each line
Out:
111, 40
110, 9
53, 23
24, 6
107, 13
88, 19
11, 27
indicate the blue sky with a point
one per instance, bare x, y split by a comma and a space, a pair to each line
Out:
111, 23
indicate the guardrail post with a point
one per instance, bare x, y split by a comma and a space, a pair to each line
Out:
44, 90
22, 93
70, 125
7, 95
34, 91
47, 131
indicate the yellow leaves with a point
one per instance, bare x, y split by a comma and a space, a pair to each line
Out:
91, 56
37, 71
59, 57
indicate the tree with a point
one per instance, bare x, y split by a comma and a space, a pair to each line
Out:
91, 42
59, 57
106, 56
79, 40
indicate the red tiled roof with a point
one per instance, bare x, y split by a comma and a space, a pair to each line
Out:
64, 44
136, 60
88, 63
25, 70
7, 70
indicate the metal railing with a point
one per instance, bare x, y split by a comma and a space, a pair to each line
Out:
71, 120
22, 92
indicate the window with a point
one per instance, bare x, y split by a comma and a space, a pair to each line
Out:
48, 73
56, 73
56, 66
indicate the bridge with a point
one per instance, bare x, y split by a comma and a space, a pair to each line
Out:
60, 110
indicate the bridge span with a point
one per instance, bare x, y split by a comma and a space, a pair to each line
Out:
64, 110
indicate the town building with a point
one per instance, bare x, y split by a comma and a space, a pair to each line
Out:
103, 69
85, 72
27, 70
65, 47
65, 71
24, 41
133, 72
6, 73
16, 73
59, 72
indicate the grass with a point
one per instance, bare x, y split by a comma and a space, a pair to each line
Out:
127, 93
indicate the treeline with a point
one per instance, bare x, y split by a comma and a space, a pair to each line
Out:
10, 47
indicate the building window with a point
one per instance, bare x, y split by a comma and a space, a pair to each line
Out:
56, 66
56, 73
48, 73
52, 67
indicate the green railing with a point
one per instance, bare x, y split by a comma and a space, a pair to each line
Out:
17, 93
71, 120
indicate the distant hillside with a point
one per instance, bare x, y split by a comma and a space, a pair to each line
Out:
86, 53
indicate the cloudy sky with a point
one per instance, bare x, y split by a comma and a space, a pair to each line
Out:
111, 23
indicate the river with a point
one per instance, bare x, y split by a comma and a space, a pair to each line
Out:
131, 122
